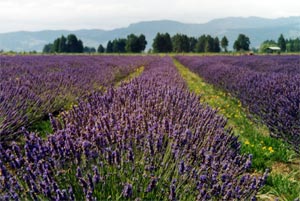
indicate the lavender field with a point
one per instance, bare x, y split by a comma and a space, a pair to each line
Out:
33, 86
269, 86
148, 138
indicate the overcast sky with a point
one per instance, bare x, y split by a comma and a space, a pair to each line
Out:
35, 15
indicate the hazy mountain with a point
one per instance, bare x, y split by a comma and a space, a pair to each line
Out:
258, 30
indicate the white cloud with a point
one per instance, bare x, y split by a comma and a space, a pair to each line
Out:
75, 14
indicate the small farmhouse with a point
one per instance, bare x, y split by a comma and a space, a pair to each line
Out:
273, 49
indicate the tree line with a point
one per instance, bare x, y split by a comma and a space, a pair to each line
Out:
162, 43
69, 44
179, 43
286, 45
205, 43
131, 44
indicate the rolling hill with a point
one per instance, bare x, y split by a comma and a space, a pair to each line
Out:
257, 29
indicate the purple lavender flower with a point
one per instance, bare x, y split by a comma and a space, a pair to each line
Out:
152, 184
172, 195
181, 167
96, 177
127, 190
78, 172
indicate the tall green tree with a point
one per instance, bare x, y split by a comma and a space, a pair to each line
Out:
162, 43
200, 46
109, 47
119, 45
142, 42
216, 47
193, 42
48, 48
176, 43
209, 44
167, 43
289, 45
79, 46
74, 45
224, 43
132, 44
242, 43
115, 46
297, 45
101, 49
56, 45
281, 43
63, 44
122, 45
157, 43
180, 43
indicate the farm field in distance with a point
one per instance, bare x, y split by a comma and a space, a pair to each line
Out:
151, 127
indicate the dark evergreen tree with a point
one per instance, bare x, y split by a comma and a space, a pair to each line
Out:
209, 44
193, 42
157, 43
297, 45
216, 47
122, 45
63, 44
180, 43
290, 45
293, 45
48, 48
162, 43
281, 43
79, 46
200, 46
167, 43
109, 47
142, 42
115, 46
176, 43
119, 45
72, 43
56, 45
132, 44
101, 49
224, 43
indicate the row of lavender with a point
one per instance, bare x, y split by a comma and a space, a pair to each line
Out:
269, 86
289, 64
148, 139
33, 86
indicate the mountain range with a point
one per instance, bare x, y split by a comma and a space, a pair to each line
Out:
256, 28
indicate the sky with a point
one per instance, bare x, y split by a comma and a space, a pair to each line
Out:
34, 15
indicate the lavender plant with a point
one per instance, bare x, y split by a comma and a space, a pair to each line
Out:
33, 86
147, 139
269, 86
